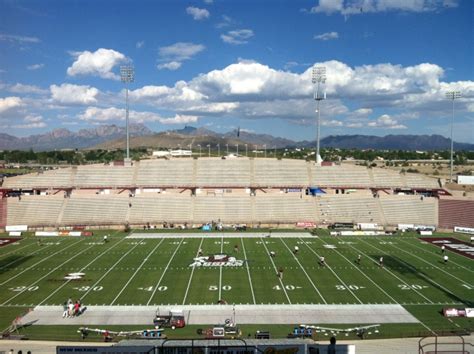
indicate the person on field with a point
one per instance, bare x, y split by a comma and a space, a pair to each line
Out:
280, 273
236, 248
381, 262
332, 346
200, 252
296, 250
105, 239
322, 261
443, 248
272, 254
359, 258
445, 258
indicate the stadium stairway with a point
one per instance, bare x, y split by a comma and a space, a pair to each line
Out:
61, 211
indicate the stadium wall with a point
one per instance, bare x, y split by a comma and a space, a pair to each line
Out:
455, 212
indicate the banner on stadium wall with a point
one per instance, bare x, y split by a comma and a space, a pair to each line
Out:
16, 228
453, 312
46, 233
14, 233
306, 224
75, 233
469, 312
464, 230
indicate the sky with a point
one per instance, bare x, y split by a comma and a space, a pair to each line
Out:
224, 64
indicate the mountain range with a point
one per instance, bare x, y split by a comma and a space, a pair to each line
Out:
113, 137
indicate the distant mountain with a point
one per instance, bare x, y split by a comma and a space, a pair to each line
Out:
65, 139
113, 137
392, 142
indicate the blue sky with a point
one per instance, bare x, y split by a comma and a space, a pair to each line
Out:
221, 64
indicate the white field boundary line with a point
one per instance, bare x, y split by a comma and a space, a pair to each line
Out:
191, 275
428, 279
435, 253
248, 270
47, 274
82, 269
164, 272
365, 275
108, 271
276, 270
391, 273
32, 266
136, 271
27, 255
334, 273
304, 270
16, 249
220, 270
433, 265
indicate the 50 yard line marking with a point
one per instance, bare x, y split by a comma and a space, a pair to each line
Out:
110, 269
69, 280
307, 276
191, 276
220, 270
164, 272
61, 250
276, 270
136, 271
248, 270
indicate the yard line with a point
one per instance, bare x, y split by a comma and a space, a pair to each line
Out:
421, 248
307, 276
435, 266
276, 270
44, 276
6, 281
191, 276
421, 274
248, 270
220, 270
69, 280
137, 270
164, 272
335, 274
110, 269
30, 254
391, 273
365, 275
16, 249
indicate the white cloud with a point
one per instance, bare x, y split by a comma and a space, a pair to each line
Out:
35, 66
172, 57
385, 121
237, 36
21, 88
172, 65
74, 94
327, 36
226, 22
99, 63
8, 103
31, 122
95, 114
18, 39
139, 44
197, 13
355, 7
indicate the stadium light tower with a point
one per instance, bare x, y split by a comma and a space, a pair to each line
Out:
318, 79
452, 95
127, 75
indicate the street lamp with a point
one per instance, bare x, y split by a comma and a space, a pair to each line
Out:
265, 148
319, 78
209, 146
452, 95
218, 150
237, 149
127, 75
227, 149
246, 151
199, 149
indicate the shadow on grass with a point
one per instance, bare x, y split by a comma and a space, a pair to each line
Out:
12, 261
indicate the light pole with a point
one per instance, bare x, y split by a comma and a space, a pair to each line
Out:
246, 151
452, 95
218, 150
265, 148
319, 78
199, 149
127, 75
209, 146
237, 149
275, 151
227, 148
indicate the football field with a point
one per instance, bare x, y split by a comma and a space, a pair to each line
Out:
161, 269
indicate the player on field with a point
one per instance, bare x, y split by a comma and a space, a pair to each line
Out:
280, 273
272, 254
200, 252
236, 248
445, 258
105, 239
296, 250
443, 248
359, 258
381, 262
322, 261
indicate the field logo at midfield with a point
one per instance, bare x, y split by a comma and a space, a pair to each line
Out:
74, 276
217, 260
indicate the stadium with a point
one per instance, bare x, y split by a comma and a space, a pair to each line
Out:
253, 241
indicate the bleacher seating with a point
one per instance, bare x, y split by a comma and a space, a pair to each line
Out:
34, 210
229, 172
103, 176
95, 210
227, 209
271, 172
284, 209
339, 176
165, 173
409, 209
455, 212
348, 208
47, 179
160, 208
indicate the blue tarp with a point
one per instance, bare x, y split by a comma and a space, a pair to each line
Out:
315, 190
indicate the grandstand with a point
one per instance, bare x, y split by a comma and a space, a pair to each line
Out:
229, 191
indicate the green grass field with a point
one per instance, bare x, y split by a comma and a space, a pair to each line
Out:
156, 271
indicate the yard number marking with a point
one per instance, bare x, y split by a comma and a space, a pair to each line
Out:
350, 287
215, 287
287, 287
412, 286
23, 288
